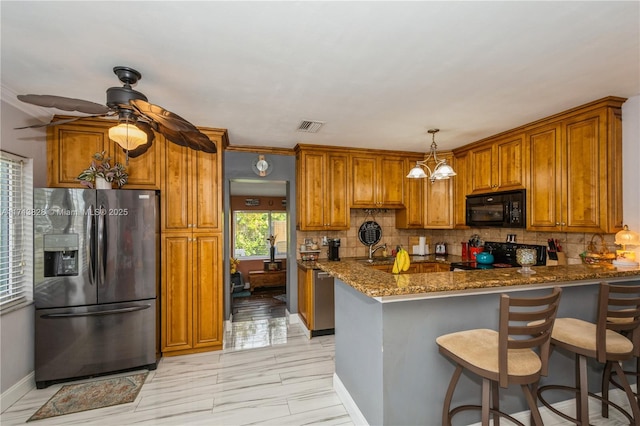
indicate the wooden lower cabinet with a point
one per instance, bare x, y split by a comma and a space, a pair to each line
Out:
305, 301
416, 268
434, 267
191, 295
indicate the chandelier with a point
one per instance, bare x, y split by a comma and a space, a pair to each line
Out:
442, 170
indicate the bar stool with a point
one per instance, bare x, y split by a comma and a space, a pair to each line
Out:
505, 356
608, 374
602, 342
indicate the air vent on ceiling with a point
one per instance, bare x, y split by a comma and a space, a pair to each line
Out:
310, 126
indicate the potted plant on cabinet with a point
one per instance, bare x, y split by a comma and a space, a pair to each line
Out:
101, 174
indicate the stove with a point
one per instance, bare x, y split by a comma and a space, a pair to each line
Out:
504, 256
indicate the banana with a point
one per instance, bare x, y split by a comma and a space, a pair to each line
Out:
402, 280
404, 260
395, 268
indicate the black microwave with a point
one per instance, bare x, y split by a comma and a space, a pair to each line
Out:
499, 209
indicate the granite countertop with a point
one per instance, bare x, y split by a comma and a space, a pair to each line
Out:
429, 258
378, 284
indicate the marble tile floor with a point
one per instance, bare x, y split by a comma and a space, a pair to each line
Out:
284, 379
268, 373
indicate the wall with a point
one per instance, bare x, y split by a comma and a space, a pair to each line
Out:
237, 165
630, 161
17, 325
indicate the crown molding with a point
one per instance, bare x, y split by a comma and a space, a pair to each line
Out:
11, 97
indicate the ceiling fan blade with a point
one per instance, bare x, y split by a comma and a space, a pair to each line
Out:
162, 116
65, 121
145, 127
175, 128
195, 140
66, 104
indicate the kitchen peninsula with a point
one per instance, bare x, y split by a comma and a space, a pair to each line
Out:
387, 366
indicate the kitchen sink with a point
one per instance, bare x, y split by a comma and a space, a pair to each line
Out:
376, 259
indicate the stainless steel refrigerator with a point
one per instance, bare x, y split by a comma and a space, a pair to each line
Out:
95, 282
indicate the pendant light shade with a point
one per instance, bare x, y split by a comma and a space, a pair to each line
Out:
627, 237
128, 136
442, 169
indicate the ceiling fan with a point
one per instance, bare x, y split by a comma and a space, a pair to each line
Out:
138, 118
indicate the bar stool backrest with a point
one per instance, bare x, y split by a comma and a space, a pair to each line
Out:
618, 310
526, 323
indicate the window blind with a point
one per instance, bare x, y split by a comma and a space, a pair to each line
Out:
13, 215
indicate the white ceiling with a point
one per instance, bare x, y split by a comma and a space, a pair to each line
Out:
378, 73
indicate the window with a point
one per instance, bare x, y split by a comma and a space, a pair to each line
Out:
252, 229
15, 234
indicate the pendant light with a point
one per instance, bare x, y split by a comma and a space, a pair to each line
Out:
442, 169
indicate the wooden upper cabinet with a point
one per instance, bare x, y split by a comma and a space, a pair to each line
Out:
191, 187
377, 181
461, 188
70, 148
144, 170
438, 212
544, 188
412, 216
498, 165
322, 190
575, 172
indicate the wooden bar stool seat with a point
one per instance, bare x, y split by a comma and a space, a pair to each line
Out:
603, 342
503, 357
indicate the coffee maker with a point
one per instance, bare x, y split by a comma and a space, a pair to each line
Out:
334, 248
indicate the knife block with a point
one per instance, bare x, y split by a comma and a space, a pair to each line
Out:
562, 260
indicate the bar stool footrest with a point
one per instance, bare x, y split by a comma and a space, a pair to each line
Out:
575, 391
492, 411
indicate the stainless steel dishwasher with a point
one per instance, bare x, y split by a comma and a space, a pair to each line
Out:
323, 306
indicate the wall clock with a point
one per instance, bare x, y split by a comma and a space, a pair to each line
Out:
261, 166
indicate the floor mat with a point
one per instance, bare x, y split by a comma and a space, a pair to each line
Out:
91, 395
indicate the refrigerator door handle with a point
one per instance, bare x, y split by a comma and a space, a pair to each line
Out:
97, 313
89, 238
101, 250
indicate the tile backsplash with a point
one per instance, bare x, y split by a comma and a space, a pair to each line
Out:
350, 246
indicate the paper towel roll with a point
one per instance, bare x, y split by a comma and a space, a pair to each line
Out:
423, 241
423, 246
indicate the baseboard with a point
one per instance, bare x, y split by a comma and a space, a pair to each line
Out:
17, 391
349, 404
292, 318
304, 329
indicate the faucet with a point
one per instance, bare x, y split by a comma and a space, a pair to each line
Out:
373, 249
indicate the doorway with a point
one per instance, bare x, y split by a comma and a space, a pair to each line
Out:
258, 248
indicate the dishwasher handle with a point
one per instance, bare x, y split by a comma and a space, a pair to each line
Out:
322, 274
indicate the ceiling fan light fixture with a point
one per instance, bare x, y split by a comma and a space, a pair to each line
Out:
442, 169
128, 136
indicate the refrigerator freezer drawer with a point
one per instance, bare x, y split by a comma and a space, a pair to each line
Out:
87, 341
